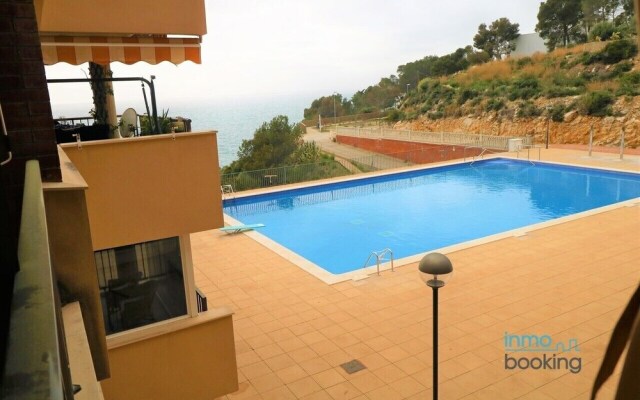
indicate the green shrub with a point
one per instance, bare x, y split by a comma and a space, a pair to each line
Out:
466, 94
617, 51
556, 112
410, 116
602, 31
563, 91
596, 104
395, 115
629, 84
494, 104
587, 58
435, 115
527, 109
620, 68
521, 62
524, 87
562, 79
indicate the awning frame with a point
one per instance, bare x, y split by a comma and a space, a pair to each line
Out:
155, 124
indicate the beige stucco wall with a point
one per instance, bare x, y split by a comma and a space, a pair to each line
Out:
193, 359
74, 264
184, 17
149, 188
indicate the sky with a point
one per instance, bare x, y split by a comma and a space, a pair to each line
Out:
262, 50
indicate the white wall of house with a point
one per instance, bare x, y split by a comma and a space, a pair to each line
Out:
529, 44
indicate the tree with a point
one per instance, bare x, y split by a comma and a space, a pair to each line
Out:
498, 39
274, 144
559, 22
325, 107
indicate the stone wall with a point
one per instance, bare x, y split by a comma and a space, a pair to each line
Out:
573, 130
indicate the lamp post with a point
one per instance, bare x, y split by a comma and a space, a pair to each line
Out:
546, 142
334, 108
435, 269
408, 84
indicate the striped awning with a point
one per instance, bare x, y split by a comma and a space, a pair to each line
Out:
128, 50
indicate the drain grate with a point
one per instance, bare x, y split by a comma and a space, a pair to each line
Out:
353, 366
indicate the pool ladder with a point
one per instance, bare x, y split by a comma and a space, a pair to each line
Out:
227, 189
380, 256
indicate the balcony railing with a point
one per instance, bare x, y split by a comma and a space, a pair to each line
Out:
37, 362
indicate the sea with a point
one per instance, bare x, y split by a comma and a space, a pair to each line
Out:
234, 119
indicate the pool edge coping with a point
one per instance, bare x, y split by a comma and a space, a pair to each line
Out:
364, 273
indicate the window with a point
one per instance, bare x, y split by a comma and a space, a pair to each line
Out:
141, 284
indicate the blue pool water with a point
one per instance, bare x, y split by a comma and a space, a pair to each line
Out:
336, 226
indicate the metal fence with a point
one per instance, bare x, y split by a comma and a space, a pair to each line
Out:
446, 138
341, 166
282, 175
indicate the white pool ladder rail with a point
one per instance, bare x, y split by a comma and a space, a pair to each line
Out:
227, 189
380, 257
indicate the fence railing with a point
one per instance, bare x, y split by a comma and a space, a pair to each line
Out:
342, 166
446, 138
283, 175
331, 120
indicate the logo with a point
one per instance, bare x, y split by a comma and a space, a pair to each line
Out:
545, 353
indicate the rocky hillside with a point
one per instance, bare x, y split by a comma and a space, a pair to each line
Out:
570, 91
574, 129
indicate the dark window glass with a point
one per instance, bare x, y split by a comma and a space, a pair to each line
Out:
141, 284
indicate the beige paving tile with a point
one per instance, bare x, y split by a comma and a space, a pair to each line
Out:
343, 391
280, 393
315, 365
366, 381
279, 362
255, 370
266, 382
286, 320
407, 386
383, 393
328, 378
291, 374
304, 387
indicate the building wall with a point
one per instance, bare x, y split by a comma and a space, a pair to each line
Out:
185, 17
149, 188
529, 44
193, 359
74, 265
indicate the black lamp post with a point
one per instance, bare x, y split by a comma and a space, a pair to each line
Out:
435, 269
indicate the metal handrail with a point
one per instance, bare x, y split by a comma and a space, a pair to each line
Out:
448, 138
36, 344
379, 255
528, 147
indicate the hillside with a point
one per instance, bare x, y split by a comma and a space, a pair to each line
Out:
570, 89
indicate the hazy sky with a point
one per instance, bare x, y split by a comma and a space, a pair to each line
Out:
283, 48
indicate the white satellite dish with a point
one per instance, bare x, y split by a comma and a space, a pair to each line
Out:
129, 123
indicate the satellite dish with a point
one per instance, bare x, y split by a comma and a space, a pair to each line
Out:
129, 123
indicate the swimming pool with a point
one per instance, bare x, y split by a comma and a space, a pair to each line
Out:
336, 226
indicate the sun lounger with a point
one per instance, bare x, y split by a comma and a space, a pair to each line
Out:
240, 228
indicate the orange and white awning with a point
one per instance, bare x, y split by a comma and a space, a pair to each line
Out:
128, 50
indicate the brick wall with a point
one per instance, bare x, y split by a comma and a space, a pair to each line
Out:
418, 153
24, 94
25, 100
27, 112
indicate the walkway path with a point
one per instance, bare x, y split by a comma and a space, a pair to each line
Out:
323, 140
